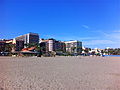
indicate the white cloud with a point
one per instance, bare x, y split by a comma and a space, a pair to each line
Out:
98, 42
111, 39
116, 31
85, 26
113, 36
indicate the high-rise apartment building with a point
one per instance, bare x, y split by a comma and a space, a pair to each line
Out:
53, 45
29, 38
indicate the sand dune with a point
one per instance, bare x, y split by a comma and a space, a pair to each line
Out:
60, 73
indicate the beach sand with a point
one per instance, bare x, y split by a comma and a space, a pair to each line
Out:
60, 73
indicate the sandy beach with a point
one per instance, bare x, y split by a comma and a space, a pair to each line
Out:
60, 73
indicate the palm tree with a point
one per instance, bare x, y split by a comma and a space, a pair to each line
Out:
38, 48
86, 50
43, 49
13, 46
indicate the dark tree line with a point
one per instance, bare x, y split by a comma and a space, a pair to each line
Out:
111, 51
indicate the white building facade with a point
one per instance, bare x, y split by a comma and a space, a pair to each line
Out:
73, 46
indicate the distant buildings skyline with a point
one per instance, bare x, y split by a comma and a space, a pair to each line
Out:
28, 38
31, 43
47, 45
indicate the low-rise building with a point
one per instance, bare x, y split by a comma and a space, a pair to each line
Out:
11, 45
19, 44
2, 46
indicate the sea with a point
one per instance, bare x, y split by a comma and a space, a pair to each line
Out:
112, 55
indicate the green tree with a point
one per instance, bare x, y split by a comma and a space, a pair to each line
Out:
10, 47
73, 49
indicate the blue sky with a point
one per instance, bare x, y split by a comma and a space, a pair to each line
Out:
94, 22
